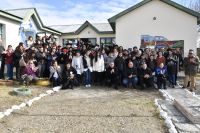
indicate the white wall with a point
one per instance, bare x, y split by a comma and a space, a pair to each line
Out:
11, 32
88, 32
171, 23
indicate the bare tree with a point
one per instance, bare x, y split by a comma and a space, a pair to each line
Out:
194, 5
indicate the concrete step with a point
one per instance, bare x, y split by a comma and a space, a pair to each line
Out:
186, 103
181, 123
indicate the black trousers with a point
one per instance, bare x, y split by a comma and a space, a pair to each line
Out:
146, 82
69, 84
161, 82
2, 69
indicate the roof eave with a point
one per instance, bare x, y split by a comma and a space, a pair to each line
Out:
10, 16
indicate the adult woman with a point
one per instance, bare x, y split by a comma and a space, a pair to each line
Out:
19, 51
30, 73
55, 74
9, 53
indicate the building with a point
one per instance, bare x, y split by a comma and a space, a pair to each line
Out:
17, 21
96, 33
150, 23
156, 18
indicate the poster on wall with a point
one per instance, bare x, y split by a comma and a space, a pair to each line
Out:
155, 42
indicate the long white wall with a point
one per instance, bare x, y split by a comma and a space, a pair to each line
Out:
171, 23
88, 32
11, 32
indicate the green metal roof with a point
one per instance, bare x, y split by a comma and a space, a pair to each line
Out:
10, 16
100, 28
113, 19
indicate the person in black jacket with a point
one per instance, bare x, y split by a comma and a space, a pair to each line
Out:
63, 58
18, 53
130, 76
120, 64
145, 76
41, 58
3, 57
69, 79
112, 75
172, 69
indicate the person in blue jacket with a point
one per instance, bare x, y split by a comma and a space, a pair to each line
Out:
161, 74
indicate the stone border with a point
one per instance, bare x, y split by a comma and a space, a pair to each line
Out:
163, 114
193, 93
28, 103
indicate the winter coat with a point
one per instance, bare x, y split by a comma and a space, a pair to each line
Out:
53, 70
191, 68
120, 63
98, 66
17, 57
9, 57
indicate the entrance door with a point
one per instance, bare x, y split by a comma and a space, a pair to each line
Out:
91, 41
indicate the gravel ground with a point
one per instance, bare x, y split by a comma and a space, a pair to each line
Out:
91, 110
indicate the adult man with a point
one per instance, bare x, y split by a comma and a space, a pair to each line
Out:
41, 60
131, 76
190, 66
145, 76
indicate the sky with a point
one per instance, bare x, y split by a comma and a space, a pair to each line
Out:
65, 12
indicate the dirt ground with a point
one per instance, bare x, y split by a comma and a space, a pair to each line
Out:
93, 110
8, 99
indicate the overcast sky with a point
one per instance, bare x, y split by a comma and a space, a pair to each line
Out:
62, 12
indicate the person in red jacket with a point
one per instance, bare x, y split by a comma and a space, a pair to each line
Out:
9, 53
160, 59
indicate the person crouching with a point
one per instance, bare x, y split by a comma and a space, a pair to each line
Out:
161, 74
30, 73
69, 77
131, 76
55, 74
112, 75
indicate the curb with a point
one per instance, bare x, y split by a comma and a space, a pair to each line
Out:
163, 114
29, 102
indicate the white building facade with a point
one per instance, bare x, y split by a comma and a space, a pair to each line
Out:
153, 18
156, 18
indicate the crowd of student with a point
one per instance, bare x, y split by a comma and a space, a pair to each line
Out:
94, 65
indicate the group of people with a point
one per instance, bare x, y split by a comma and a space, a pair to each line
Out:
95, 65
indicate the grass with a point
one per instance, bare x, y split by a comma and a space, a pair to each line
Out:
8, 98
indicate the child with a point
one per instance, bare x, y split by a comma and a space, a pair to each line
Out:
161, 73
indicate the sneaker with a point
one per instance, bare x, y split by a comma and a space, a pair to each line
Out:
89, 85
86, 86
183, 87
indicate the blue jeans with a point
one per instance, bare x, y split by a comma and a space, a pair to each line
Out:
172, 79
9, 71
87, 77
133, 81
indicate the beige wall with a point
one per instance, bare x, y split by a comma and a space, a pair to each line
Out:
171, 23
88, 32
11, 32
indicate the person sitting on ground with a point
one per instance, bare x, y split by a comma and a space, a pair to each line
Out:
55, 73
161, 74
69, 77
131, 76
30, 73
112, 75
145, 76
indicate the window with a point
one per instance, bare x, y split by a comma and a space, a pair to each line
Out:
71, 41
1, 33
107, 41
